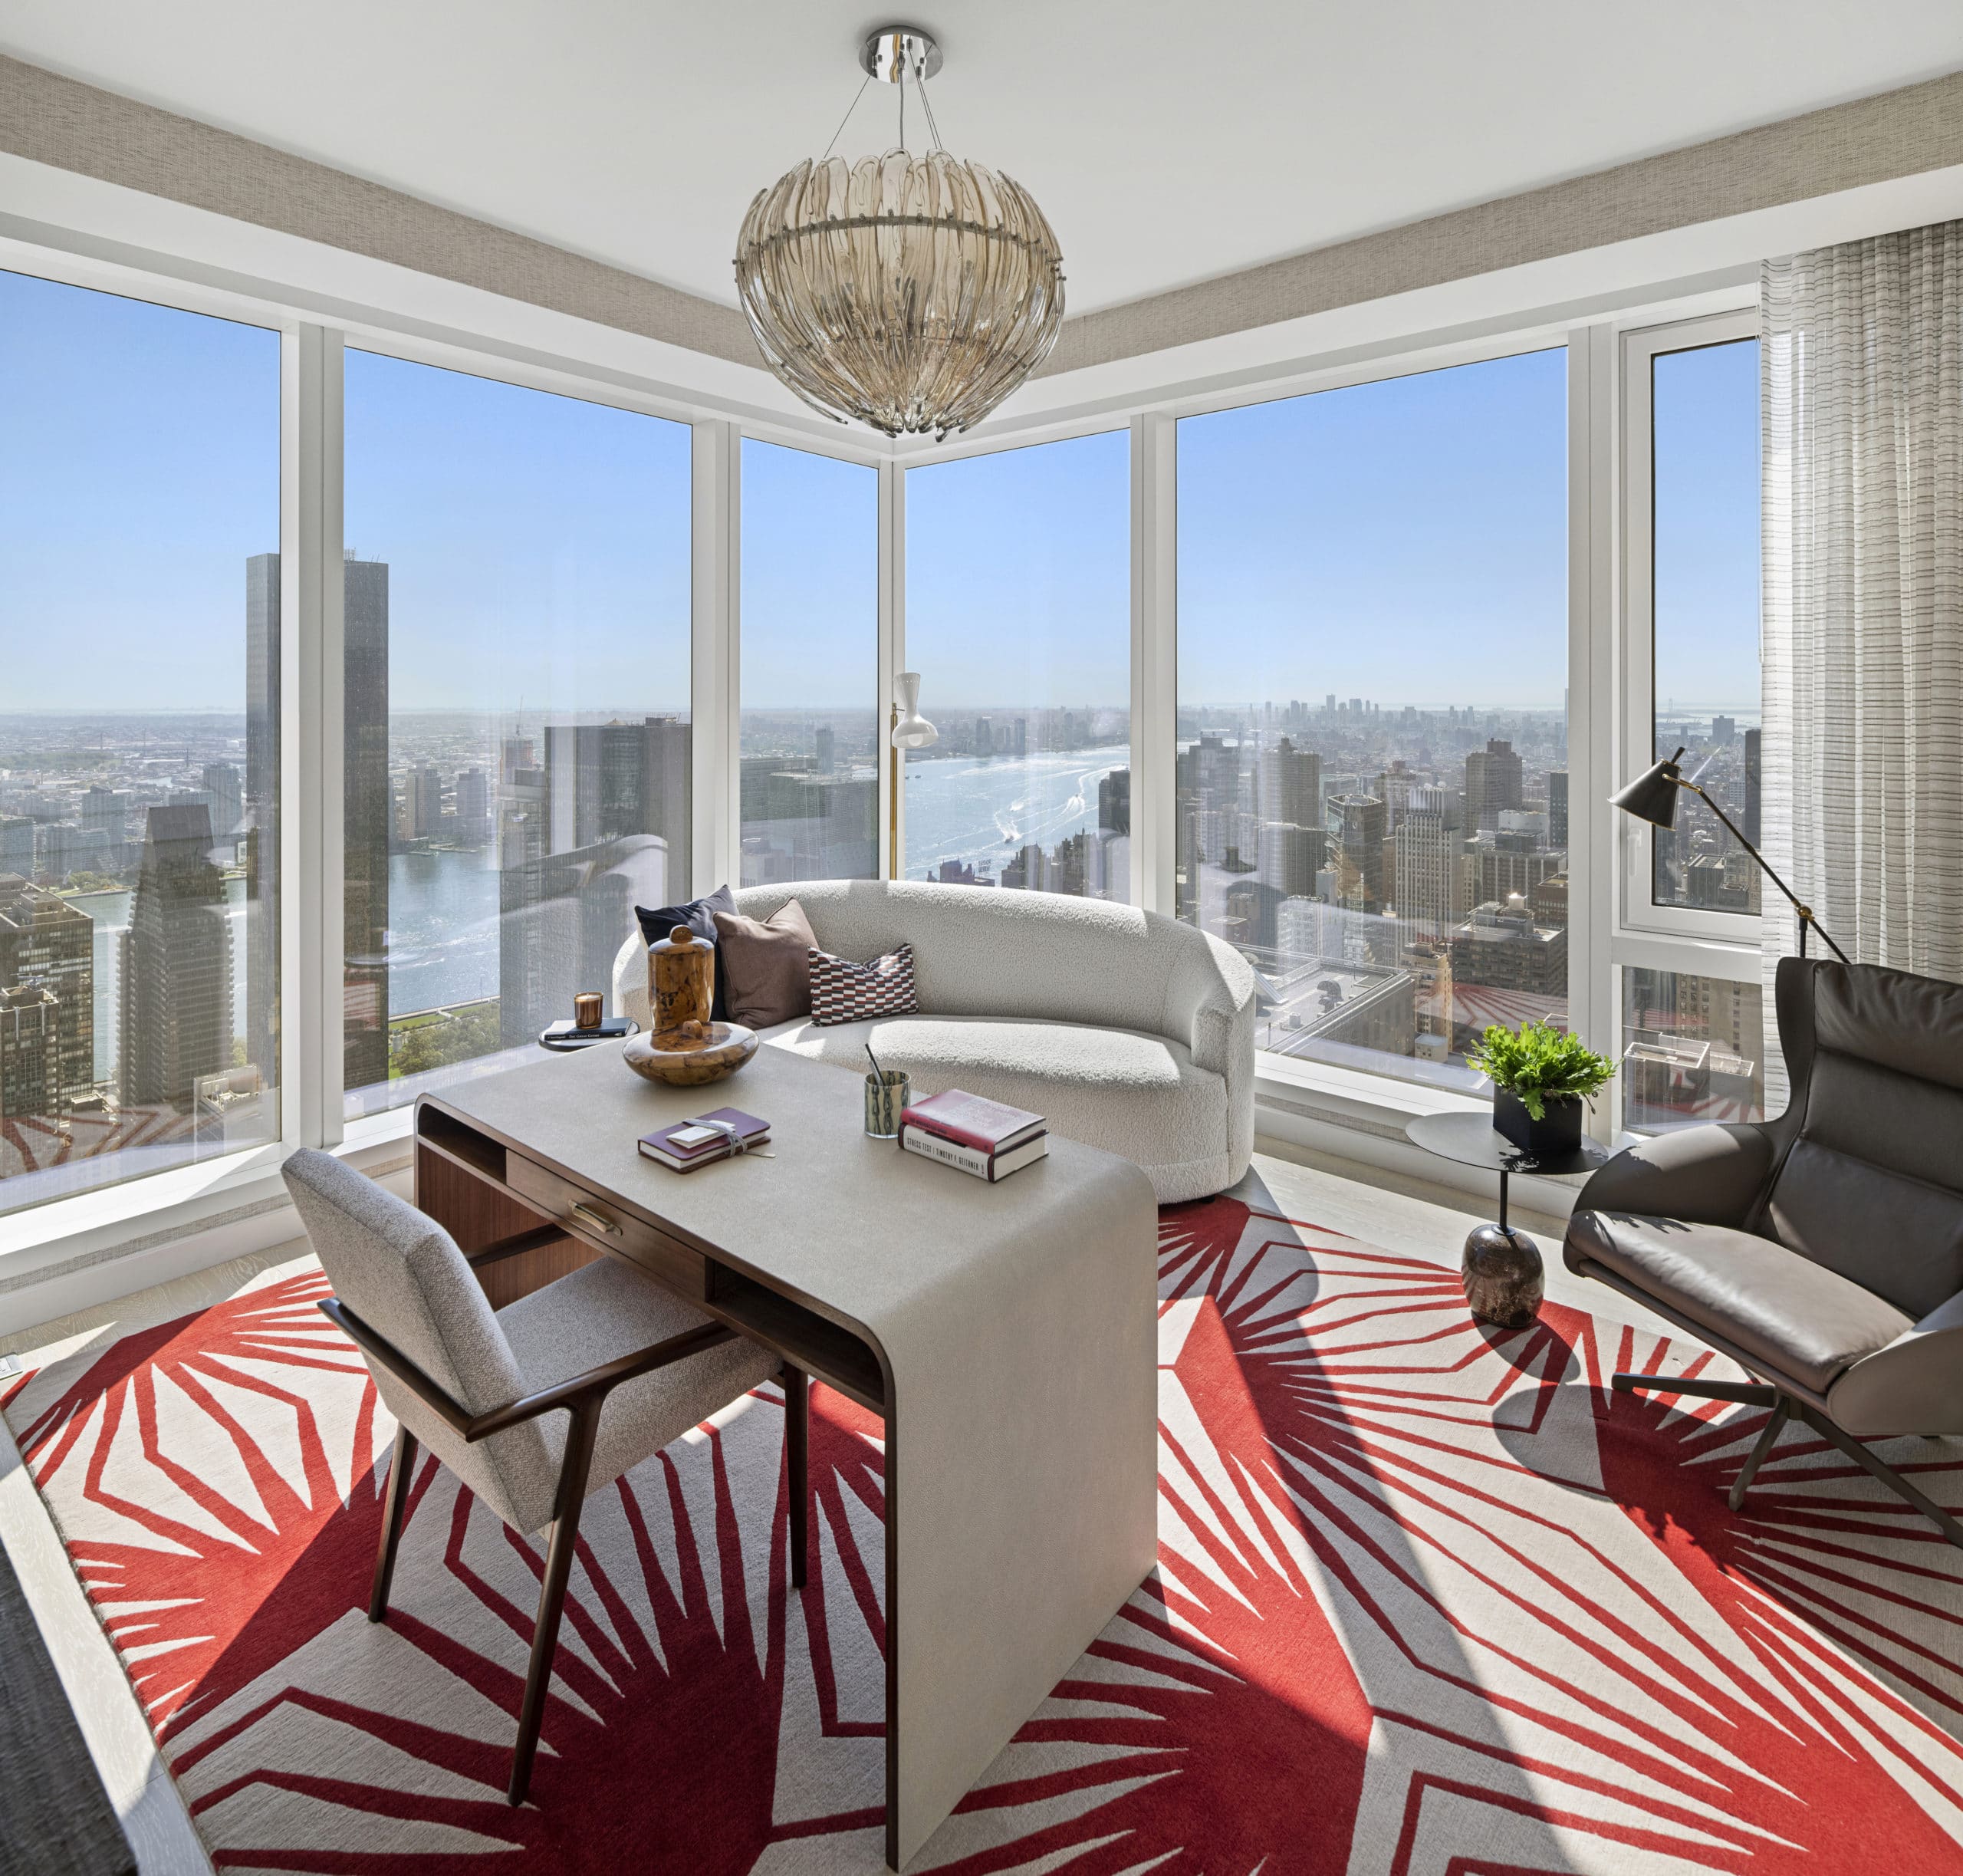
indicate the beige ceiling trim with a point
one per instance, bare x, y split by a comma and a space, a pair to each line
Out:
1874, 139
60, 121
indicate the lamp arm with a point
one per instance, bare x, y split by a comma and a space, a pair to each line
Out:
1765, 867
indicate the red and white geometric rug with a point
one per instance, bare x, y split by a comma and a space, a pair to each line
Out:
1430, 1599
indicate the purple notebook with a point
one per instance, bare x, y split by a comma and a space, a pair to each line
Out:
685, 1153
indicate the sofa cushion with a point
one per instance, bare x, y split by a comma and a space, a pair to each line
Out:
764, 964
844, 990
1134, 1094
1803, 1321
699, 916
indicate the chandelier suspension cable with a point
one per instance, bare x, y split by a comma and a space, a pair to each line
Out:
847, 119
926, 105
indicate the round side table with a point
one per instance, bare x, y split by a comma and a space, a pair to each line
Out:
1501, 1272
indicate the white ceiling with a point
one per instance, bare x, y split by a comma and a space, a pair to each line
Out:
1167, 143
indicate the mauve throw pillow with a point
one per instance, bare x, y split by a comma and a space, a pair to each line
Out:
699, 916
767, 963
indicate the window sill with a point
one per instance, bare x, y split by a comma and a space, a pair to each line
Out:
75, 1253
1352, 1115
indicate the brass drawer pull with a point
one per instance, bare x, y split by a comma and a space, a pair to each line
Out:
595, 1221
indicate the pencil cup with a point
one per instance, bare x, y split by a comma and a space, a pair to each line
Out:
887, 1095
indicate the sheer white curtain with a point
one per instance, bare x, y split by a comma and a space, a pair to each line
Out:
1862, 782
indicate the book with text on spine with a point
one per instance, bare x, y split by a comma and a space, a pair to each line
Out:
992, 1167
969, 1121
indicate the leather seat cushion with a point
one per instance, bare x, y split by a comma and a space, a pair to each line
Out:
1138, 1095
1803, 1321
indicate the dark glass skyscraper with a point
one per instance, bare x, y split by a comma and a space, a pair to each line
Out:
177, 982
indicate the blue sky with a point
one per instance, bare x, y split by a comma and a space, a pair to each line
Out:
1404, 541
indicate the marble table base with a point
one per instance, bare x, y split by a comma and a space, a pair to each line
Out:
1503, 1277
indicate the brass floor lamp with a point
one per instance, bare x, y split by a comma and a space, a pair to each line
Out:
909, 730
1652, 796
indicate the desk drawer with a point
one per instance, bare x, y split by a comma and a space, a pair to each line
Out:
587, 1216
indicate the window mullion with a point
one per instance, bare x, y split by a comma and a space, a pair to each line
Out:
311, 717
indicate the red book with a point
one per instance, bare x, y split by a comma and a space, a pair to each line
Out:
968, 1119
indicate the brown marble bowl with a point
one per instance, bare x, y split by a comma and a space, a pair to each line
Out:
688, 1056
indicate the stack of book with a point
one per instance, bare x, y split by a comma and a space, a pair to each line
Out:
984, 1138
688, 1144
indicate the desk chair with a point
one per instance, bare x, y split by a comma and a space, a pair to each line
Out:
1822, 1251
634, 1368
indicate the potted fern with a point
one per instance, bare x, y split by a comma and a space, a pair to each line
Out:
1542, 1079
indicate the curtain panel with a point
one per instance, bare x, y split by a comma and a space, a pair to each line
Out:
1862, 781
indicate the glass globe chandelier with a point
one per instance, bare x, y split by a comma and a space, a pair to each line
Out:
912, 293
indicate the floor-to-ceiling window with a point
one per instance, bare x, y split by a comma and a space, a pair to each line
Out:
1018, 620
809, 779
518, 742
1371, 793
1693, 1040
139, 698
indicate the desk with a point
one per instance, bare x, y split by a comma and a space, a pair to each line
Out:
1006, 1333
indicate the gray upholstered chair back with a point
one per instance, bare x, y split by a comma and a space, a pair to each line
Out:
404, 1275
1868, 1178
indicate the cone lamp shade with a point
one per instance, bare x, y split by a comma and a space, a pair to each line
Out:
1653, 795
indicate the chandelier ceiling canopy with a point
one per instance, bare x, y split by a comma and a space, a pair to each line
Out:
913, 293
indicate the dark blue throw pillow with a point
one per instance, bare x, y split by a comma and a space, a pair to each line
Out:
699, 916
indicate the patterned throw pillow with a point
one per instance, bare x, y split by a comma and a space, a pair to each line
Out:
844, 991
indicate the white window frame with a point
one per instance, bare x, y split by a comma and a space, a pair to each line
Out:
132, 1214
1637, 912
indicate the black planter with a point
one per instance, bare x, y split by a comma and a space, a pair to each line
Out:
1559, 1132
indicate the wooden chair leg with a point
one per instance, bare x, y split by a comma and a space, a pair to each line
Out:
797, 1451
402, 1464
566, 1507
1767, 1435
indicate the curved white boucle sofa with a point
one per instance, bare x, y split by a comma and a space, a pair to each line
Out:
1126, 1030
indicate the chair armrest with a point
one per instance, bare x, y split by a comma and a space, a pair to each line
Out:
1704, 1175
575, 1391
1913, 1385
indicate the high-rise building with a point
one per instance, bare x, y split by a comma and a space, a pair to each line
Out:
606, 781
1558, 808
1290, 857
1507, 865
421, 814
366, 801
29, 1053
226, 788
984, 736
108, 811
66, 847
1021, 737
1355, 825
1493, 779
177, 1000
16, 845
1724, 730
1291, 788
48, 944
473, 797
1114, 802
825, 740
1428, 886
